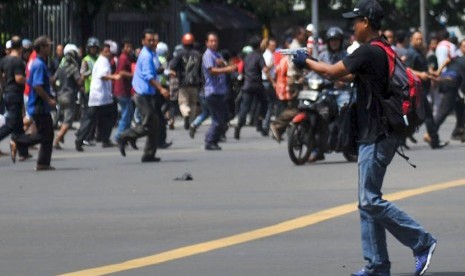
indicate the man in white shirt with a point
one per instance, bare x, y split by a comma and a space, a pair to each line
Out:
268, 56
101, 107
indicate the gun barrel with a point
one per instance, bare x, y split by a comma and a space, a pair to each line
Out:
291, 52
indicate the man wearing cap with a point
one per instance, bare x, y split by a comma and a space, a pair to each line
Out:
101, 106
187, 67
368, 67
41, 102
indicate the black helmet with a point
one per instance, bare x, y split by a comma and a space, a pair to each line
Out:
93, 42
334, 32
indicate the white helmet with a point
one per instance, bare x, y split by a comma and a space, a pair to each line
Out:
162, 49
70, 48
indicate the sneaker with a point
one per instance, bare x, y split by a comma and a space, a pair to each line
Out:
88, 143
423, 260
364, 272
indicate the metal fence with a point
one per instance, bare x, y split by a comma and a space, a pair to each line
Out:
31, 19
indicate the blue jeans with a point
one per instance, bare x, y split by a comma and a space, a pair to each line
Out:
127, 110
219, 113
377, 214
205, 112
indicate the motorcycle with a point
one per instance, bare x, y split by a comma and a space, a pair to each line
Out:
316, 123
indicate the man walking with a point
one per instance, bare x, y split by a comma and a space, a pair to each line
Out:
101, 108
146, 86
12, 69
122, 89
187, 66
41, 102
416, 60
377, 145
214, 69
254, 65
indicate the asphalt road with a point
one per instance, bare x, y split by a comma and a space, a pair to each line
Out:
99, 209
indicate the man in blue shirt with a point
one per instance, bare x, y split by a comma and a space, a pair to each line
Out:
214, 69
146, 86
41, 102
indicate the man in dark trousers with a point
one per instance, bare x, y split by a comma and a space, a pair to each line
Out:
146, 86
254, 65
416, 60
214, 69
12, 69
368, 67
41, 102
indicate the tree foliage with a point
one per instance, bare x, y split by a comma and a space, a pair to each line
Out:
399, 13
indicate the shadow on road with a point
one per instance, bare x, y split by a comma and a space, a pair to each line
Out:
437, 274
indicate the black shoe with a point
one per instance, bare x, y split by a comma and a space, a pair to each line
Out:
122, 145
133, 144
186, 123
165, 145
458, 134
237, 133
264, 133
78, 145
440, 145
212, 147
192, 130
108, 144
149, 158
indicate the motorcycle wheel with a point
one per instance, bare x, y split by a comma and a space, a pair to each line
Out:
350, 157
300, 143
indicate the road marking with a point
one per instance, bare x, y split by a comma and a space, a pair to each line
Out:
261, 233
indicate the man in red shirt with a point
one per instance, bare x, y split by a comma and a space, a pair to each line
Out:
122, 88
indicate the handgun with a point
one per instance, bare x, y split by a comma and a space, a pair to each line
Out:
291, 52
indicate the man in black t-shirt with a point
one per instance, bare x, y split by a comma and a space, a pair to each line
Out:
12, 69
368, 67
253, 88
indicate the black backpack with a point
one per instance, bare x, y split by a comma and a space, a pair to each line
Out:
192, 62
403, 110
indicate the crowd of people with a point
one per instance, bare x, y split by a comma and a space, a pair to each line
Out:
142, 91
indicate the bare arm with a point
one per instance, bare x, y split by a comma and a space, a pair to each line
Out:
164, 92
20, 79
222, 70
44, 96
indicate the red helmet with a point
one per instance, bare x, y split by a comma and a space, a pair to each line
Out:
188, 39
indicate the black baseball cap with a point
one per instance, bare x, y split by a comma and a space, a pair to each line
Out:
370, 9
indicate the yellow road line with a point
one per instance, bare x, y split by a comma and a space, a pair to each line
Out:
261, 233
